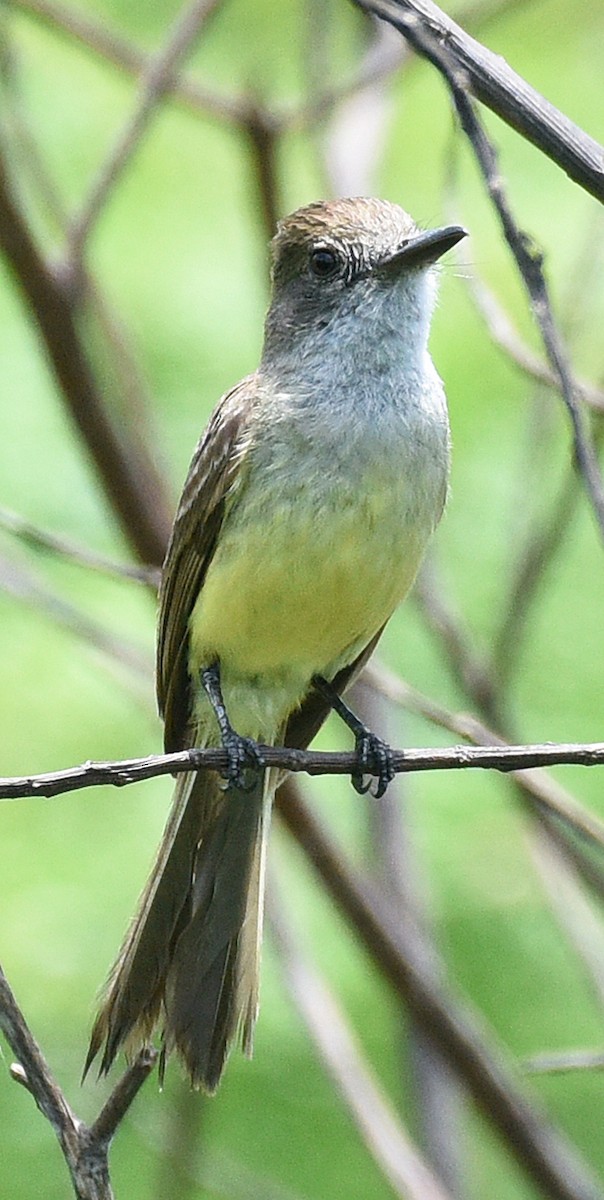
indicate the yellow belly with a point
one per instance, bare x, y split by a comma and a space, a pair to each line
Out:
292, 594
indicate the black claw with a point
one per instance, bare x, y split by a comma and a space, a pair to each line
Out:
244, 760
374, 758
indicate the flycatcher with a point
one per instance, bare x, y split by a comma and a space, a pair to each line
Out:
303, 520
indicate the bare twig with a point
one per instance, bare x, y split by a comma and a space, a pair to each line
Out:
19, 131
494, 83
385, 1137
85, 1149
397, 948
104, 1128
154, 83
313, 762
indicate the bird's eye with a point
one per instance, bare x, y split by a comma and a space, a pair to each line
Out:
324, 262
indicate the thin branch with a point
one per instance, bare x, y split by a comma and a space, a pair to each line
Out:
390, 1146
397, 948
495, 84
354, 142
39, 539
132, 483
313, 762
84, 1149
418, 26
159, 72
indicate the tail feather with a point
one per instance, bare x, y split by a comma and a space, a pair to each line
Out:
192, 950
212, 984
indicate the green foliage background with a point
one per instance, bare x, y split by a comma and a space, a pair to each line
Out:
181, 253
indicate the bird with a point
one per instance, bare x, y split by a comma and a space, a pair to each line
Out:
307, 508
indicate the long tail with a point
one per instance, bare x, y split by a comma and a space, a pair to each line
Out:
192, 951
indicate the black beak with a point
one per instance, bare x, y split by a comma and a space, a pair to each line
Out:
421, 250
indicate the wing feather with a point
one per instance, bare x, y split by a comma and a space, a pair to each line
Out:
211, 480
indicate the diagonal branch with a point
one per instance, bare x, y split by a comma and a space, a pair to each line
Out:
154, 83
397, 948
386, 1138
132, 483
496, 85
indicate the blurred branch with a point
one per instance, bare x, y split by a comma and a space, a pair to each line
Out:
583, 929
560, 1061
262, 134
25, 586
394, 1153
552, 799
232, 110
183, 1145
39, 539
353, 144
398, 950
529, 574
436, 43
132, 484
397, 868
495, 84
468, 664
74, 24
505, 335
154, 82
20, 133
85, 1149
313, 762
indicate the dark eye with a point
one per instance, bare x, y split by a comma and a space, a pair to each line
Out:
324, 262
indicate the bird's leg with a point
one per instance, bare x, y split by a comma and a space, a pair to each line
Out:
242, 752
374, 756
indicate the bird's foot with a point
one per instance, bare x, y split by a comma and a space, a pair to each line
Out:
244, 761
374, 757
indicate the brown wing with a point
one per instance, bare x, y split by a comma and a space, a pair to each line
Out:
212, 475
